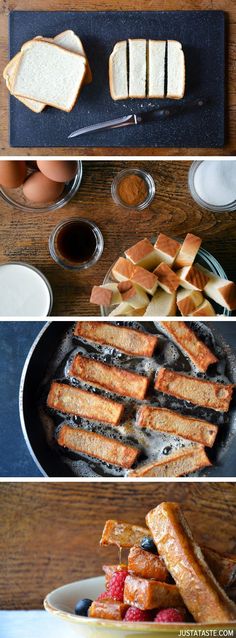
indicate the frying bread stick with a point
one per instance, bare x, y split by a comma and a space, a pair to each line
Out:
127, 340
71, 400
186, 338
146, 565
175, 464
150, 594
98, 446
169, 421
109, 377
122, 534
199, 589
208, 394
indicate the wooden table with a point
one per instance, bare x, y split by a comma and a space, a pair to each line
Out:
50, 532
24, 236
92, 5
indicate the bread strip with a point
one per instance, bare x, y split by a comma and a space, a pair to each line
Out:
156, 68
209, 394
146, 565
71, 400
107, 609
98, 446
118, 71
199, 589
186, 338
112, 378
175, 70
178, 463
123, 534
223, 566
127, 340
188, 251
169, 421
150, 594
137, 68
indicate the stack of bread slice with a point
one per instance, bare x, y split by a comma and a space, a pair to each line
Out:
49, 71
164, 280
147, 68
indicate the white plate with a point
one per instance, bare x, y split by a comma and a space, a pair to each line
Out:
61, 602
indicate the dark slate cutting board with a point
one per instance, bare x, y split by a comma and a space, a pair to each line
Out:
202, 35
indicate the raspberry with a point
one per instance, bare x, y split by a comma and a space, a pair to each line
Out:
169, 615
116, 585
103, 596
134, 614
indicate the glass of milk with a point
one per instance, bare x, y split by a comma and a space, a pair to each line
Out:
212, 184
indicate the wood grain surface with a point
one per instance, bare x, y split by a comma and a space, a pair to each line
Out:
24, 236
229, 6
50, 533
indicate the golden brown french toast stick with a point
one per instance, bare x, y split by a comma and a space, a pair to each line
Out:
98, 446
186, 338
171, 422
71, 400
146, 565
202, 594
112, 378
207, 394
127, 340
122, 534
150, 594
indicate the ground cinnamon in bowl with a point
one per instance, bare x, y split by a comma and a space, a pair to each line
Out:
132, 190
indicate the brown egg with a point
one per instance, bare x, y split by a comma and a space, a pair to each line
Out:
12, 173
41, 190
58, 170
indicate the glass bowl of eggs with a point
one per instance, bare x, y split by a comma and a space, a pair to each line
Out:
41, 186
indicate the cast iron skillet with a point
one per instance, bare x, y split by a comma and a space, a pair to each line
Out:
48, 461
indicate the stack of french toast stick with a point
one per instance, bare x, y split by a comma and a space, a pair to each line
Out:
73, 400
166, 570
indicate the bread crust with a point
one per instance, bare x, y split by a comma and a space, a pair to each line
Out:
183, 558
171, 422
97, 446
108, 377
71, 400
127, 340
209, 394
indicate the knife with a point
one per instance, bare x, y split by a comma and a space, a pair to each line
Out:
139, 118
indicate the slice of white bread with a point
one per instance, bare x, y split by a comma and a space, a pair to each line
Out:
9, 73
156, 68
71, 41
50, 74
118, 71
137, 68
175, 70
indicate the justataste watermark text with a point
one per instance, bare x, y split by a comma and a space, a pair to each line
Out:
207, 633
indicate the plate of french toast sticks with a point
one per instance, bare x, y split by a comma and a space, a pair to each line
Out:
130, 399
163, 582
69, 70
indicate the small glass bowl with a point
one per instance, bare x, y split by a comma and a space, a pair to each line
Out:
15, 196
62, 261
21, 267
201, 202
205, 259
149, 181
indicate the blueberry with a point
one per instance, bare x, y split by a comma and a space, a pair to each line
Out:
82, 607
149, 545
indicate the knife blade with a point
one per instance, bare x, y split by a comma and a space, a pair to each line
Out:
140, 118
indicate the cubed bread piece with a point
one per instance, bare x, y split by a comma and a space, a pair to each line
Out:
145, 279
108, 609
123, 534
188, 251
167, 278
101, 296
137, 67
134, 295
156, 68
123, 269
171, 422
143, 254
222, 291
167, 249
192, 278
146, 565
190, 343
122, 310
162, 305
150, 594
116, 296
209, 394
204, 310
180, 463
188, 301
